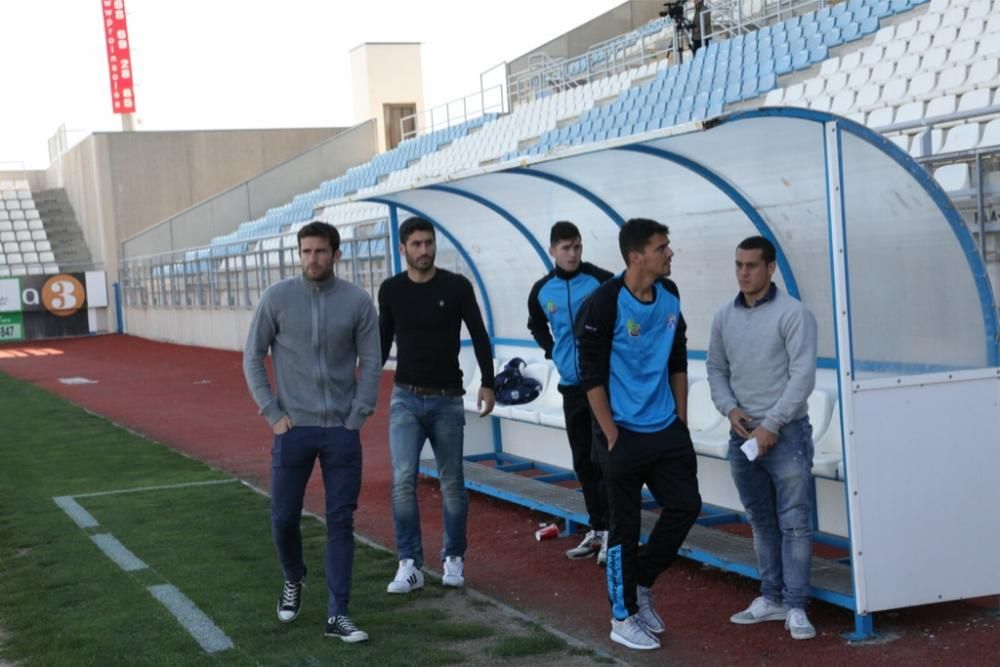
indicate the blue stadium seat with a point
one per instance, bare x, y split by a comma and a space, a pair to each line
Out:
801, 60
715, 109
796, 32
851, 32
682, 117
900, 6
818, 55
797, 44
832, 38
766, 67
717, 96
733, 93
767, 82
749, 89
845, 19
827, 24
869, 25
823, 13
838, 10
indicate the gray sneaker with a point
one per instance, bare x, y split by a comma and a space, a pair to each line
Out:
590, 545
647, 614
760, 610
798, 624
632, 633
602, 555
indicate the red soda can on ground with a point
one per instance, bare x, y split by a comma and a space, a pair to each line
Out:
547, 533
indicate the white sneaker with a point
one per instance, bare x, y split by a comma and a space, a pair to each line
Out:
590, 545
408, 578
602, 555
453, 572
647, 614
760, 610
632, 633
798, 624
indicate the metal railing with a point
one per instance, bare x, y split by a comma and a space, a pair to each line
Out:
455, 112
231, 277
730, 18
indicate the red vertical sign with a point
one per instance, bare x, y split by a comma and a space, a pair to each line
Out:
119, 56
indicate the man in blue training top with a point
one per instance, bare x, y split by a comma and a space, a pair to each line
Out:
761, 369
633, 366
553, 304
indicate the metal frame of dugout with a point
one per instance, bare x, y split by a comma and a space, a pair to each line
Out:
907, 321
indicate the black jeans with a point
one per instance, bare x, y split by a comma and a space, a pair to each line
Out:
580, 430
666, 463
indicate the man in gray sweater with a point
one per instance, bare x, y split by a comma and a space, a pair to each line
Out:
320, 330
761, 369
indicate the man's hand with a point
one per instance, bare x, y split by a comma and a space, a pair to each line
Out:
611, 436
765, 439
736, 419
282, 426
487, 399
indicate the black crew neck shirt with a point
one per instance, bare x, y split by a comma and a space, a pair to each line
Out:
426, 321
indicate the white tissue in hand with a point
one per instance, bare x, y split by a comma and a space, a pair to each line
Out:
750, 449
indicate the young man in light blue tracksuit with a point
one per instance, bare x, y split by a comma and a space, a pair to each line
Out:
553, 304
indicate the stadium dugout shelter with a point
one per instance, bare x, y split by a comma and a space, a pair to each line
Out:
906, 414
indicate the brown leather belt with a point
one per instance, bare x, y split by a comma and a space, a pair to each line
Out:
431, 391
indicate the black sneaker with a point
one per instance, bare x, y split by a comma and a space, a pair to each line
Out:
343, 627
290, 601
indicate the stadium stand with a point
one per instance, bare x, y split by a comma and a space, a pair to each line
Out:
24, 246
913, 69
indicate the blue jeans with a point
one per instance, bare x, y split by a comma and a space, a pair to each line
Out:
292, 458
776, 490
412, 420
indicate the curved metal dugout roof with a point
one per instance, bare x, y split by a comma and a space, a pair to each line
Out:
918, 291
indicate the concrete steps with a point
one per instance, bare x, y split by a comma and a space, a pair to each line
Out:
63, 231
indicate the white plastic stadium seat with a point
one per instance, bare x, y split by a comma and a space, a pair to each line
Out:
940, 106
953, 79
885, 35
814, 88
843, 102
702, 415
881, 117
962, 138
774, 97
821, 103
908, 65
945, 37
977, 10
991, 134
794, 93
953, 17
918, 44
935, 59
882, 73
836, 83
929, 23
953, 177
983, 73
828, 451
894, 92
872, 55
895, 50
974, 99
859, 77
829, 67
869, 97
850, 61
972, 29
962, 52
906, 30
910, 112
922, 86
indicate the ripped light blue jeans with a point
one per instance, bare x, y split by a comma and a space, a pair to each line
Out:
776, 491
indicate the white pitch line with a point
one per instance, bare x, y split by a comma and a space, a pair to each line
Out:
118, 552
80, 516
208, 635
152, 488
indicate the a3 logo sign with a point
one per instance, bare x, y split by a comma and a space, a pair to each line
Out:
61, 295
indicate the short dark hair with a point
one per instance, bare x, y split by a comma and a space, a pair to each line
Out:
635, 234
322, 230
414, 224
563, 230
766, 248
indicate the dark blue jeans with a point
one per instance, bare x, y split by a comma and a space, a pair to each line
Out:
292, 458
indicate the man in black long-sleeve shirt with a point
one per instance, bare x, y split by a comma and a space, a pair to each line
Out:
423, 309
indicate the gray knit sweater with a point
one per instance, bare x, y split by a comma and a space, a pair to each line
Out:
763, 359
318, 335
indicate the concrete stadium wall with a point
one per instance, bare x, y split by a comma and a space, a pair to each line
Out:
215, 328
223, 211
618, 21
35, 178
120, 183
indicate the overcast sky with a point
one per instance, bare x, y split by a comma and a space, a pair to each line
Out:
208, 64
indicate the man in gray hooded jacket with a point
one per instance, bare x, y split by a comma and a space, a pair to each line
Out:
319, 330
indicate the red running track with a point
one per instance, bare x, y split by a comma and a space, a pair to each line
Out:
195, 401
